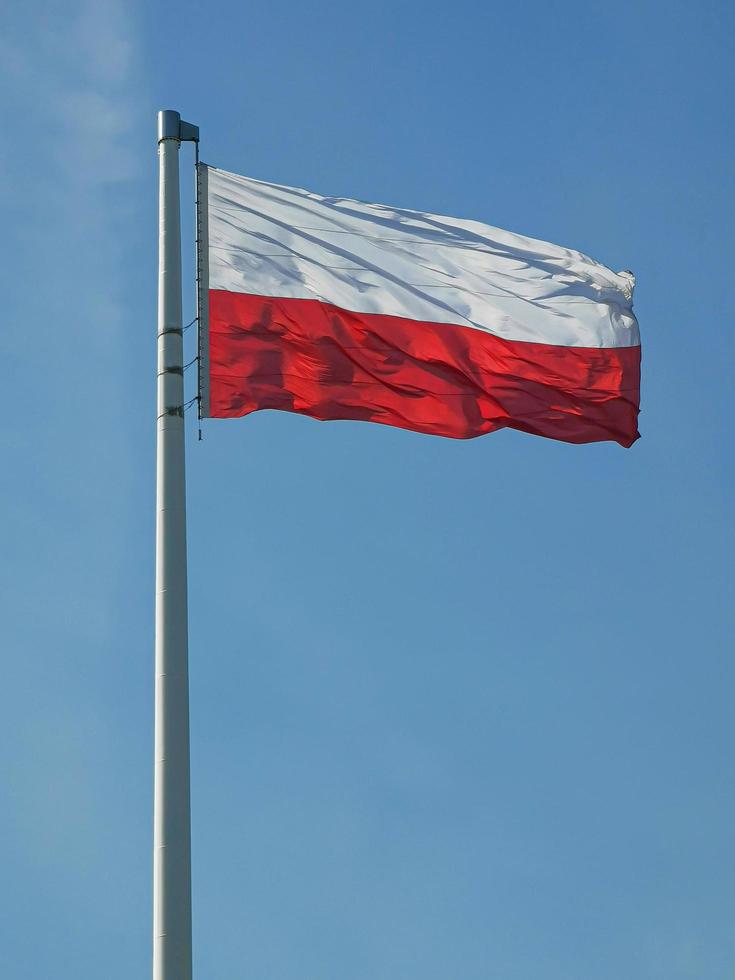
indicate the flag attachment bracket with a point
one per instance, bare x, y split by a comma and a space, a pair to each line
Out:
172, 127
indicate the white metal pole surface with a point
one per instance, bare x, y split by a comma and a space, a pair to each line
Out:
171, 806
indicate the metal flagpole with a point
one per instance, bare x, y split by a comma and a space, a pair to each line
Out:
171, 806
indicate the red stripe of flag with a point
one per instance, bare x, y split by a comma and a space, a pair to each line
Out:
305, 356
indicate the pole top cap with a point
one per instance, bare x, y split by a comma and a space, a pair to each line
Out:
172, 127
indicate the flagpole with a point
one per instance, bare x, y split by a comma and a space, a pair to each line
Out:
171, 802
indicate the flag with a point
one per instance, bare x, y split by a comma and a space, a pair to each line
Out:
338, 309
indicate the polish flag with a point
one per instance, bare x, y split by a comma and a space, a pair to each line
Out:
338, 309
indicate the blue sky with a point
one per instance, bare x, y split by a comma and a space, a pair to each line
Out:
458, 709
